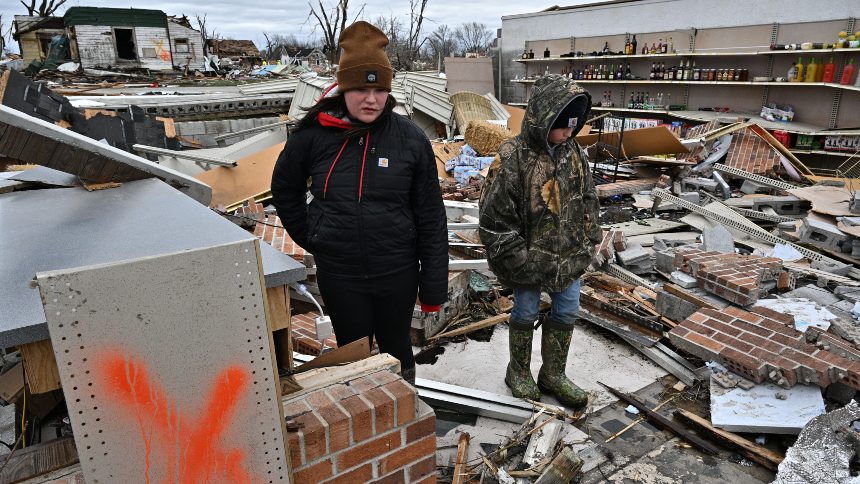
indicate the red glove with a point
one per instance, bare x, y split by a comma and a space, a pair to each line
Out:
428, 308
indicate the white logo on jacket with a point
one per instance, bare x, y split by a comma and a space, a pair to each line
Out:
383, 162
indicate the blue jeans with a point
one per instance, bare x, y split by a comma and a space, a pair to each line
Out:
565, 305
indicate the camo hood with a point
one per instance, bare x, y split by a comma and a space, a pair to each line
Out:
550, 95
539, 209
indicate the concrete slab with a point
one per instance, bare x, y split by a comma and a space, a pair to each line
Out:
60, 228
718, 239
684, 280
632, 255
758, 410
673, 307
806, 313
813, 293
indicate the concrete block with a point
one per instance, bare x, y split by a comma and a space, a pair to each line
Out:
684, 280
692, 197
718, 239
785, 205
814, 293
837, 268
691, 184
190, 128
632, 255
758, 410
854, 203
848, 293
750, 187
673, 307
822, 234
665, 261
641, 268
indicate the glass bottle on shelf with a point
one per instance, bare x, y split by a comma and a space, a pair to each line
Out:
606, 48
525, 54
632, 102
653, 69
653, 48
531, 54
671, 47
645, 49
546, 52
633, 45
660, 46
801, 70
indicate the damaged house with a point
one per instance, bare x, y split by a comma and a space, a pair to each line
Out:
114, 38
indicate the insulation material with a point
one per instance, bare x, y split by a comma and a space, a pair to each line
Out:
148, 402
826, 199
485, 138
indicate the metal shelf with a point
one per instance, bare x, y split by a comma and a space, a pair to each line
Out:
518, 104
686, 54
629, 110
706, 83
822, 152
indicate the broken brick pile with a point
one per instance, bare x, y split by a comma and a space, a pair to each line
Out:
749, 152
304, 332
372, 427
625, 187
764, 345
613, 241
740, 279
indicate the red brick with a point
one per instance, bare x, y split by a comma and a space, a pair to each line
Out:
295, 446
697, 317
779, 327
722, 327
339, 392
785, 281
397, 477
406, 398
359, 474
742, 364
770, 313
313, 433
383, 377
751, 328
338, 427
314, 473
795, 343
383, 409
295, 408
368, 450
419, 470
362, 417
733, 342
422, 428
706, 343
698, 328
411, 453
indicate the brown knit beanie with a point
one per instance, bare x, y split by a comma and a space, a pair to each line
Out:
363, 63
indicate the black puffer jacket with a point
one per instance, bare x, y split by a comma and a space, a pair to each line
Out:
376, 210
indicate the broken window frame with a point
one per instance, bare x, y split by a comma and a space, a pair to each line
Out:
180, 44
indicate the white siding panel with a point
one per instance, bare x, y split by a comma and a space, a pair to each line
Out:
153, 48
195, 43
95, 46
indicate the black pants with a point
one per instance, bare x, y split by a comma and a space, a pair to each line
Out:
380, 307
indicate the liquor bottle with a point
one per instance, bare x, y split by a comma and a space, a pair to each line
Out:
628, 74
671, 46
606, 48
620, 73
612, 72
647, 101
546, 52
653, 69
653, 48
811, 70
829, 71
626, 44
792, 72
645, 49
633, 45
525, 54
660, 46
847, 73
531, 54
801, 70
662, 71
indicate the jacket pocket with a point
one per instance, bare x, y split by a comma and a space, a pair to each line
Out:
315, 219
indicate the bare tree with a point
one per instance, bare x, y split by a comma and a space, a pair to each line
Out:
331, 21
473, 37
414, 40
441, 43
205, 33
45, 9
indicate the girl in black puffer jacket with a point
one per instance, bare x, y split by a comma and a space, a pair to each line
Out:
376, 223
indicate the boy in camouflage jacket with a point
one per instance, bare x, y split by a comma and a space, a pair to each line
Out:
539, 223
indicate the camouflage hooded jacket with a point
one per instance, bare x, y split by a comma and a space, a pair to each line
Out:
539, 212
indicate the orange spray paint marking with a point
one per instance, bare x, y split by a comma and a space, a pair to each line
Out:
189, 443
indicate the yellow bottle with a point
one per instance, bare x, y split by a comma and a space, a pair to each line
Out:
811, 71
801, 71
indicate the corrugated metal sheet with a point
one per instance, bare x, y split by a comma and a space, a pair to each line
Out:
116, 17
286, 85
499, 111
429, 80
307, 93
433, 103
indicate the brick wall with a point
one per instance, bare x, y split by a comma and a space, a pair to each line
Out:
737, 278
625, 187
750, 153
304, 334
272, 231
373, 428
763, 345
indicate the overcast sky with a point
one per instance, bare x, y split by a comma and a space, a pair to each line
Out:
247, 19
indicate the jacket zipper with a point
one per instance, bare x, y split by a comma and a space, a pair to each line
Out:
361, 241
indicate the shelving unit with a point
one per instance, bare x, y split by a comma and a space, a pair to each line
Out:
820, 107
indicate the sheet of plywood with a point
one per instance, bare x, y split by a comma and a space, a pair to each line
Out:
515, 122
40, 366
167, 367
37, 460
251, 176
826, 199
639, 142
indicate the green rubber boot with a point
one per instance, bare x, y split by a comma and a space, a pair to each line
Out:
519, 375
555, 343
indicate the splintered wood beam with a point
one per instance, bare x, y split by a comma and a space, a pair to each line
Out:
484, 323
460, 474
563, 469
663, 422
753, 451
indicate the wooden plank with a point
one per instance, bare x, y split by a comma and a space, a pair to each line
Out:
484, 323
308, 381
4, 79
40, 366
460, 475
687, 296
279, 307
563, 469
195, 343
251, 176
355, 351
36, 460
12, 383
753, 451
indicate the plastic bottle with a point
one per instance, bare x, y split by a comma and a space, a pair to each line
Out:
801, 70
829, 71
792, 72
811, 70
848, 73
